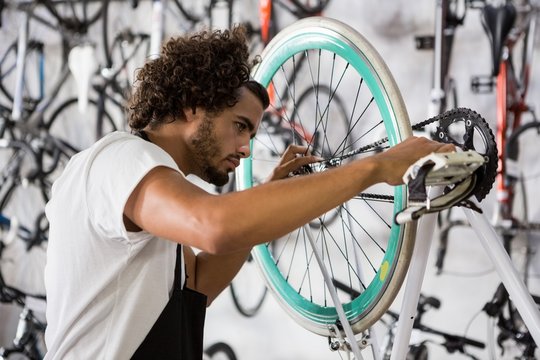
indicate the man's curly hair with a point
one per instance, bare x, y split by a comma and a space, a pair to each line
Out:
204, 70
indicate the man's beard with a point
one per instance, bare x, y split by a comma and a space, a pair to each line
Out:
206, 148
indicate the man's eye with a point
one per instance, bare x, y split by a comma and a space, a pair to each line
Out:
241, 126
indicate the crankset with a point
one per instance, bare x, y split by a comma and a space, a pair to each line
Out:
468, 172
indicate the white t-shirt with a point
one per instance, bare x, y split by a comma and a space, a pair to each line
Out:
105, 286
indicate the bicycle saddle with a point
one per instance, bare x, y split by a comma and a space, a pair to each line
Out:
497, 22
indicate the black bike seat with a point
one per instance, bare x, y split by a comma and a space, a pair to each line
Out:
497, 22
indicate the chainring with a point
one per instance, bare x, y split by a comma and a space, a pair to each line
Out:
468, 130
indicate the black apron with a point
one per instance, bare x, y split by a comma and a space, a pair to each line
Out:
178, 332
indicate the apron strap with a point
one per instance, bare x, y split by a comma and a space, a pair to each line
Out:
178, 268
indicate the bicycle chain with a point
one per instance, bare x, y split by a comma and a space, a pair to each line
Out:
474, 124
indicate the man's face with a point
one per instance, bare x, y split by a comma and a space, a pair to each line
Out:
207, 149
220, 141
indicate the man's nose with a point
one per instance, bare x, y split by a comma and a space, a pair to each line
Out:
244, 150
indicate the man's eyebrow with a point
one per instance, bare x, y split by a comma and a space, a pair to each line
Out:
249, 124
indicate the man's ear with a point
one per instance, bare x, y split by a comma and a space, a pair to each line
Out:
192, 114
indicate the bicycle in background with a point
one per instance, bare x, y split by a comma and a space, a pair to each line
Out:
29, 338
511, 28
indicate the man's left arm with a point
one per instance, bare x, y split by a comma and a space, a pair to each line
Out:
213, 273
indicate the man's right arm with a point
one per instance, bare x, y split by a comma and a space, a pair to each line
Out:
167, 205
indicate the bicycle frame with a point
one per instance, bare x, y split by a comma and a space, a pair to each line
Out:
500, 259
446, 23
267, 18
511, 105
29, 328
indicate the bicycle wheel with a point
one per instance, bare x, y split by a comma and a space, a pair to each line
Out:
76, 130
305, 8
22, 194
221, 351
523, 174
248, 291
76, 16
125, 48
365, 251
194, 10
33, 81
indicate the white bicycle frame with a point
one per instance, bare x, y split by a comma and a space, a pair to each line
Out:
157, 31
492, 244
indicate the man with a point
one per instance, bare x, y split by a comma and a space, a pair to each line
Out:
118, 284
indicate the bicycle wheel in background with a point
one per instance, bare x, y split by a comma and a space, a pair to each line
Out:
523, 172
22, 194
248, 291
33, 78
79, 130
305, 8
307, 108
194, 10
75, 15
219, 351
364, 251
125, 46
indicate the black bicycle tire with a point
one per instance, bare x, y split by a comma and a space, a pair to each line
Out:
303, 9
41, 183
16, 181
70, 102
418, 352
74, 24
3, 88
122, 87
192, 16
220, 347
32, 45
512, 153
334, 96
526, 59
511, 142
245, 311
105, 34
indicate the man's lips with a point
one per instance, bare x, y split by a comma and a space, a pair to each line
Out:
234, 161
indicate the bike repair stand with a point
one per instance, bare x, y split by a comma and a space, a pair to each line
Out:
413, 285
492, 245
507, 271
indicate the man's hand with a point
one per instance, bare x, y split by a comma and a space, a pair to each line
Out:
392, 163
292, 159
395, 161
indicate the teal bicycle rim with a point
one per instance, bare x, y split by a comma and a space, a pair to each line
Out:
322, 38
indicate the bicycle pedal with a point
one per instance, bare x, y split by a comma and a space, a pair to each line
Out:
482, 84
439, 169
456, 196
424, 42
446, 168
